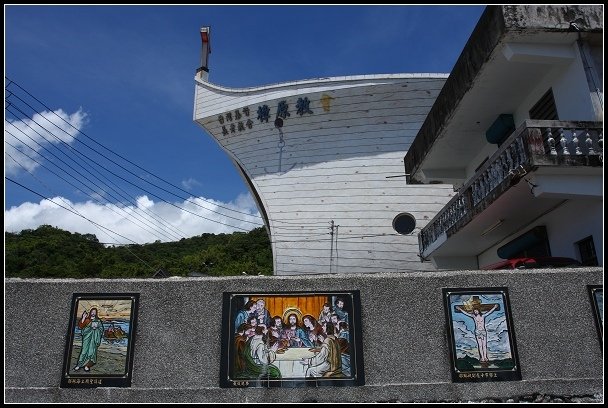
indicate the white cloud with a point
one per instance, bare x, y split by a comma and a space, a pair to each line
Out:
245, 200
495, 327
144, 202
499, 348
121, 219
465, 340
190, 183
498, 338
31, 135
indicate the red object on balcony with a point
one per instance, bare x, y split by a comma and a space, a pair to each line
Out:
534, 262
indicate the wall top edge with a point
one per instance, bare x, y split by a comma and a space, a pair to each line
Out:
323, 81
316, 277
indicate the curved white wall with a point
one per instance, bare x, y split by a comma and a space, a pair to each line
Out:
337, 164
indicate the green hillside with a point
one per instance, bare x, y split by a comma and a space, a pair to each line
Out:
49, 252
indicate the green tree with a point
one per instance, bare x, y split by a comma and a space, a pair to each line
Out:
49, 252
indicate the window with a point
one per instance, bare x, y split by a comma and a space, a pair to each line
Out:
545, 108
586, 250
404, 223
534, 243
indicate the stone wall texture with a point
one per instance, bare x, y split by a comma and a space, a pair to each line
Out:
177, 347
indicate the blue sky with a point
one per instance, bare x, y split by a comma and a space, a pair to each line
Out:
123, 75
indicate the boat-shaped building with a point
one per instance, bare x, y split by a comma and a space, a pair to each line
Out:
323, 159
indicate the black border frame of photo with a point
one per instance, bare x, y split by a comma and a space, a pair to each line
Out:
501, 374
592, 289
227, 339
75, 380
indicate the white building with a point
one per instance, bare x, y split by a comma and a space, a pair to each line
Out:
518, 130
323, 159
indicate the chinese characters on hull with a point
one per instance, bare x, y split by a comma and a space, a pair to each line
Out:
228, 126
303, 106
234, 121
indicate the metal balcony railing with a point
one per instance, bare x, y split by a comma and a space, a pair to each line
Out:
536, 143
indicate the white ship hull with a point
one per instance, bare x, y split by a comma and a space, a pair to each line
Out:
339, 157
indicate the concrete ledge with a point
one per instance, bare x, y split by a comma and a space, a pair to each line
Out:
438, 392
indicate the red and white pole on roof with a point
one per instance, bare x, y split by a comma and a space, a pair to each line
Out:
203, 71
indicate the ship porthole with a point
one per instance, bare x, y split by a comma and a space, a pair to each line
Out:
404, 223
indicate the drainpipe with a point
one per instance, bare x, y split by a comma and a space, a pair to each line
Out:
590, 71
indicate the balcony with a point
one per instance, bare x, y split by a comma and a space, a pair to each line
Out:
558, 147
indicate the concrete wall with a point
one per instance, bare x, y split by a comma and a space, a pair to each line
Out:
581, 218
501, 24
570, 90
406, 357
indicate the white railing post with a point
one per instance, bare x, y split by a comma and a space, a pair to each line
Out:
589, 142
564, 142
551, 142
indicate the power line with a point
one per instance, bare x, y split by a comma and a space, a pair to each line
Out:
80, 215
160, 198
72, 126
136, 207
76, 171
11, 82
118, 155
282, 263
70, 183
329, 238
73, 212
139, 177
68, 204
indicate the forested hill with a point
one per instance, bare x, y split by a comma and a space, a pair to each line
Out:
49, 252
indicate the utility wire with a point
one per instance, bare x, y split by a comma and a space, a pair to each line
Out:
40, 181
80, 215
75, 210
73, 169
65, 208
172, 204
11, 82
116, 154
150, 214
128, 218
136, 207
139, 177
69, 124
281, 263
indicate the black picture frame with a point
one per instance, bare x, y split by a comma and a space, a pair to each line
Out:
596, 296
107, 358
291, 357
481, 348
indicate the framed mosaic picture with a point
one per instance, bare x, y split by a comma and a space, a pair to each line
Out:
291, 339
596, 293
480, 335
100, 340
